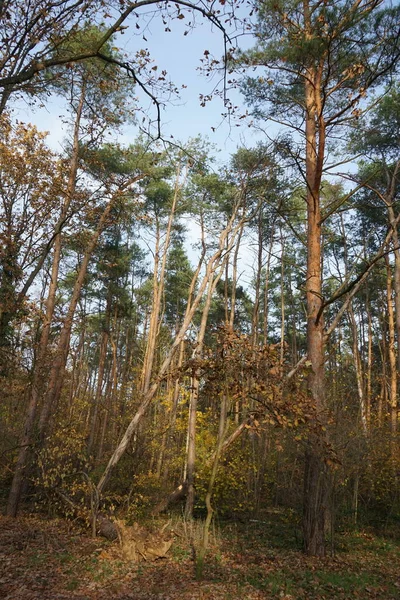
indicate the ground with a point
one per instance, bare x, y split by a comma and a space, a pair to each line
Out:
51, 559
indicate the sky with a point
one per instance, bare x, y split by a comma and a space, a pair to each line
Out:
180, 56
183, 118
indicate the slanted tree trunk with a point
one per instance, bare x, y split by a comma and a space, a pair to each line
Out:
57, 372
215, 263
40, 364
194, 394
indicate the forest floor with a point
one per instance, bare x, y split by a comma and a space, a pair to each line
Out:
47, 559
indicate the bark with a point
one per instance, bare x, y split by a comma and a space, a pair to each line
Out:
315, 476
194, 394
368, 396
181, 490
396, 249
57, 372
213, 264
210, 511
391, 349
99, 387
359, 371
158, 287
234, 280
40, 365
266, 291
172, 417
282, 341
256, 308
355, 344
111, 395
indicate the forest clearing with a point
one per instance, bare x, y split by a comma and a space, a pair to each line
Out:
199, 340
258, 560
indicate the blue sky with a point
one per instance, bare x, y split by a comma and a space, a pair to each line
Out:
180, 56
184, 118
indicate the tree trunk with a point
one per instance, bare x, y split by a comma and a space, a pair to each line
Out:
158, 288
214, 263
99, 387
40, 365
391, 349
315, 476
359, 371
57, 373
194, 394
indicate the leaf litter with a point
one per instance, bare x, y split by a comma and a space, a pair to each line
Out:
52, 559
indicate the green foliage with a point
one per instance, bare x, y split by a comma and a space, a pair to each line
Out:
107, 93
178, 279
355, 44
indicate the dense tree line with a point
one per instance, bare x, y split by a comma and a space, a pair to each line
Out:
258, 365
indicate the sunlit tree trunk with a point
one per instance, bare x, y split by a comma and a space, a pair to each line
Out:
214, 264
315, 476
231, 320
40, 364
391, 349
158, 286
57, 372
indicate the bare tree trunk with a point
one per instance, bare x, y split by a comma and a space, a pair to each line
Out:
391, 349
396, 249
181, 490
355, 343
282, 342
210, 511
194, 394
40, 365
315, 475
213, 264
256, 308
368, 396
172, 417
234, 280
57, 373
158, 287
359, 371
266, 291
99, 387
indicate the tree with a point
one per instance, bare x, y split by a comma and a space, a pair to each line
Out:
320, 60
95, 92
377, 137
30, 188
35, 37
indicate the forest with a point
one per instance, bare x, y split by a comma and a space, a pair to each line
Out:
200, 357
